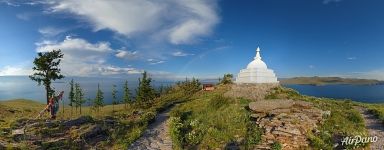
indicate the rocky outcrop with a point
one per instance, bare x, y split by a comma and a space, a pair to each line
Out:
250, 91
94, 134
270, 105
286, 121
79, 121
80, 133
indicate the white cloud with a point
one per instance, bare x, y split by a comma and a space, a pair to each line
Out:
372, 74
17, 3
154, 61
377, 74
180, 54
202, 19
351, 58
130, 55
14, 71
114, 70
78, 48
10, 3
82, 58
51, 31
24, 16
179, 21
331, 1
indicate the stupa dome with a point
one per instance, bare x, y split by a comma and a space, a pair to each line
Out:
257, 63
256, 72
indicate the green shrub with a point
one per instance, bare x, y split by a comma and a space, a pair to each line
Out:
218, 101
355, 117
253, 134
276, 146
196, 133
149, 117
176, 129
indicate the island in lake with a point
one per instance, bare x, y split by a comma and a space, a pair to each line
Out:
329, 80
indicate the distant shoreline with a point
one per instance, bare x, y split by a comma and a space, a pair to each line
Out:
320, 81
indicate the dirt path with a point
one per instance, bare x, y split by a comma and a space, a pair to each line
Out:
156, 137
375, 128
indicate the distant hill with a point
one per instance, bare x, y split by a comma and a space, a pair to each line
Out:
329, 80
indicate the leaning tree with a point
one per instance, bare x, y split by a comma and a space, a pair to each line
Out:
47, 69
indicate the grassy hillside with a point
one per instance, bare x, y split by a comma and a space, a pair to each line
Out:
127, 123
113, 127
212, 121
15, 109
205, 120
329, 80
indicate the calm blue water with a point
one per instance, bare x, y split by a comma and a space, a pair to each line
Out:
23, 87
361, 93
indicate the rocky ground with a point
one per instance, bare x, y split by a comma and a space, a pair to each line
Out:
375, 128
81, 133
250, 91
156, 137
286, 122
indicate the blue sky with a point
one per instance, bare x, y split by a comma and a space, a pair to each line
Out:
177, 38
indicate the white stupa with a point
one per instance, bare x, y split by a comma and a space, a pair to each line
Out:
256, 72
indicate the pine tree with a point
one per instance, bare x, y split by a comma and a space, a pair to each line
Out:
114, 97
47, 70
145, 92
71, 95
99, 99
79, 96
127, 94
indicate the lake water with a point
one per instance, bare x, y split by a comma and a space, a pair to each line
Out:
361, 93
23, 87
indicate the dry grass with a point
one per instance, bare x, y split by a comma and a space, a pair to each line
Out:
250, 91
17, 109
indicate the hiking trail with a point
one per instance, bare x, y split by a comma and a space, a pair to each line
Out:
375, 128
156, 137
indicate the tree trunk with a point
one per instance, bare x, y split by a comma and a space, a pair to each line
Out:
80, 109
47, 93
63, 106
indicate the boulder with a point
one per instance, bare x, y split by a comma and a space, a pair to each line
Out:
18, 131
59, 143
279, 111
266, 106
290, 130
287, 121
18, 134
93, 131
